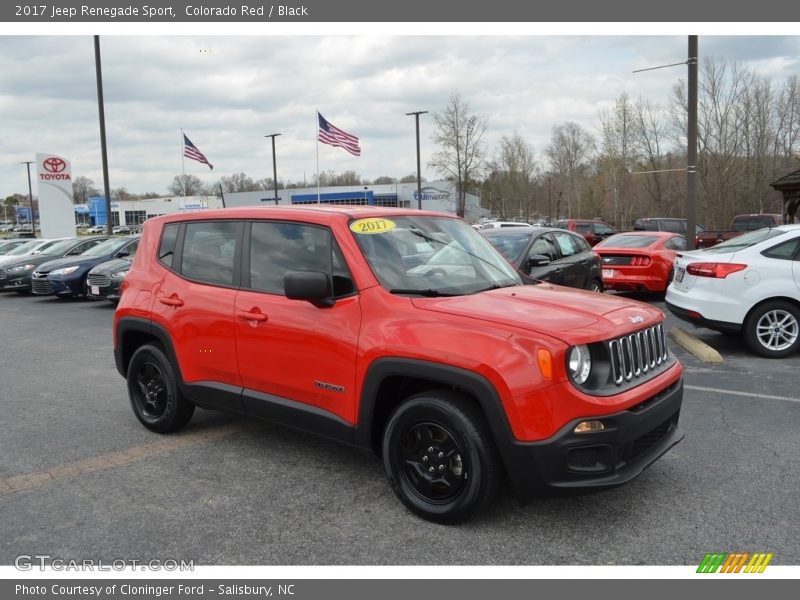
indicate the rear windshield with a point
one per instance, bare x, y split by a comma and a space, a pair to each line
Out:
628, 241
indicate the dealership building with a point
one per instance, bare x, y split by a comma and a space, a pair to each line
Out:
437, 195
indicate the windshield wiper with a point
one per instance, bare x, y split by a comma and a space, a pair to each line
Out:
495, 286
428, 293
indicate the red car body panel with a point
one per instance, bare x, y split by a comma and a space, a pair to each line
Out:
650, 277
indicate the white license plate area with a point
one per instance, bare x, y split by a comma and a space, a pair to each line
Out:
679, 274
608, 273
95, 290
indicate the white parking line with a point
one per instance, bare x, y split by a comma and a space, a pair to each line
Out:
697, 388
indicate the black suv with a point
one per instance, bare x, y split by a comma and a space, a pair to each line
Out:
664, 224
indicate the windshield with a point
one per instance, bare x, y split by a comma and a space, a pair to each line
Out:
25, 248
59, 248
107, 247
430, 256
744, 241
511, 244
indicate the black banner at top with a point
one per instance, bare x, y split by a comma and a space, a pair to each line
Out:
332, 11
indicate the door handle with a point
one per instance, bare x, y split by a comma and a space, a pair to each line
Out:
256, 317
171, 300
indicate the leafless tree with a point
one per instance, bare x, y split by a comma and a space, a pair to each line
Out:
512, 180
82, 189
461, 150
569, 153
185, 185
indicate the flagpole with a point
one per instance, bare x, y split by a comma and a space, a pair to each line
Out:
183, 169
317, 136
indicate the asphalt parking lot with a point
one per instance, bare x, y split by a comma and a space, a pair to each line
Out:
80, 478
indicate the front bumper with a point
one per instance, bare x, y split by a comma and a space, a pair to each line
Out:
632, 440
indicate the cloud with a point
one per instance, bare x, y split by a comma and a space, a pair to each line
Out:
228, 92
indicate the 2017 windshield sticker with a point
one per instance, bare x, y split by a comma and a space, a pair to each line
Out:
372, 225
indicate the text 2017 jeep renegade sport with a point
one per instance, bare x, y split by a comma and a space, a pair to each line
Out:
330, 320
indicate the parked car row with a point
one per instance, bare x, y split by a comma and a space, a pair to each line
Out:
91, 267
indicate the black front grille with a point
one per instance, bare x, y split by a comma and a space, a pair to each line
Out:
3, 275
41, 286
98, 280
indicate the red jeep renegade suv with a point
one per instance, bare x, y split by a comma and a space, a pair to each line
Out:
399, 331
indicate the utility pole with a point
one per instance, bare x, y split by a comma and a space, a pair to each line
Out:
691, 145
101, 109
419, 170
28, 164
274, 166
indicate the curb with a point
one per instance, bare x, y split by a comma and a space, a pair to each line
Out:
693, 346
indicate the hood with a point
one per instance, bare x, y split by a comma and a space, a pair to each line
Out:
571, 315
83, 261
32, 259
112, 266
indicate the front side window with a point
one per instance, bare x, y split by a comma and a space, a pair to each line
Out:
208, 251
545, 246
279, 247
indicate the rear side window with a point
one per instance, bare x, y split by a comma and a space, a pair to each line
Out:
166, 248
566, 243
602, 229
583, 227
787, 250
208, 252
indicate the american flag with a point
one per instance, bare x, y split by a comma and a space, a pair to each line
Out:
330, 134
191, 151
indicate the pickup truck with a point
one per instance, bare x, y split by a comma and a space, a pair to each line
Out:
739, 225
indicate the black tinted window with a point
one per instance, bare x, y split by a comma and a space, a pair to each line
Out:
166, 248
276, 248
208, 252
786, 251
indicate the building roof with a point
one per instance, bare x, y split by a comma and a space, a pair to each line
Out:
787, 182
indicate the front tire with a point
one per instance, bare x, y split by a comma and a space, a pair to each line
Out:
595, 285
153, 391
439, 457
773, 329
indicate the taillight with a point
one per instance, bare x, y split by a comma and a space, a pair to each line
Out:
715, 270
640, 261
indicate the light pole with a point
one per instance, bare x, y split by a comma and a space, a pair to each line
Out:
28, 164
419, 171
274, 166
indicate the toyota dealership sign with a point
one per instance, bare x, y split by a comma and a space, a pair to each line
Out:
56, 212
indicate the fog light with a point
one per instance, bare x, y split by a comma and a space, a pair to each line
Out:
589, 426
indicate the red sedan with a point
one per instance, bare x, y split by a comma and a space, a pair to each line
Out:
639, 261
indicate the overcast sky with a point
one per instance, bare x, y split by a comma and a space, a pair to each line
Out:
228, 92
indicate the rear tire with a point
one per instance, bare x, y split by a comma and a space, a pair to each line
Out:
439, 457
595, 285
773, 329
153, 391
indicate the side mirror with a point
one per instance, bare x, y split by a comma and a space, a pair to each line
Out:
123, 253
312, 286
538, 260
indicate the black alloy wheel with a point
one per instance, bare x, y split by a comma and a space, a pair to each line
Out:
153, 391
439, 456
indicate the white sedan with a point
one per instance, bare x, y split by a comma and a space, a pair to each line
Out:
749, 285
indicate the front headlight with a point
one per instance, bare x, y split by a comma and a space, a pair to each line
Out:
20, 269
579, 364
64, 271
119, 274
